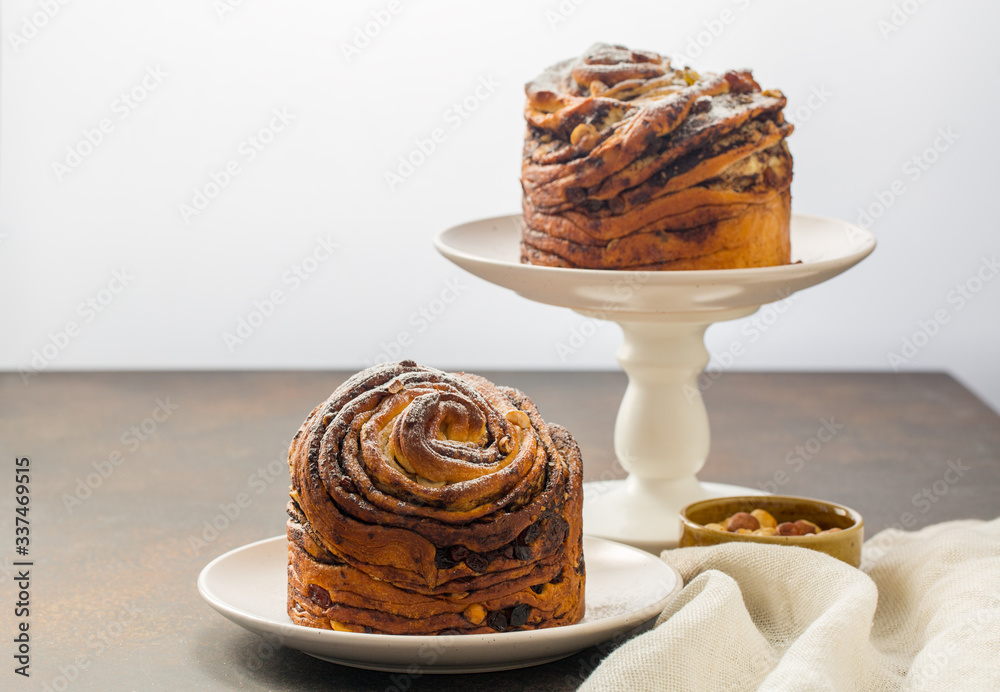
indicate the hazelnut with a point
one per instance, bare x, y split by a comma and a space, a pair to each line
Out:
518, 418
760, 522
475, 614
742, 520
584, 136
764, 518
344, 627
787, 528
806, 527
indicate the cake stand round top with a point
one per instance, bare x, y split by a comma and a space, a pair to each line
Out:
490, 249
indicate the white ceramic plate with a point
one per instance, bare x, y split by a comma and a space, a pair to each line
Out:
489, 248
625, 588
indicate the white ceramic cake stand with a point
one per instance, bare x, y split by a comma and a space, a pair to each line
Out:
661, 433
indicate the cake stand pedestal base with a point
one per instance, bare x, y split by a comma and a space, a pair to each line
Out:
661, 432
641, 513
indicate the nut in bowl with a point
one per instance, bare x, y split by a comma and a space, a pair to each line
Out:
777, 520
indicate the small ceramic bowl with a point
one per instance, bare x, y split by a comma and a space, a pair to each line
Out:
844, 544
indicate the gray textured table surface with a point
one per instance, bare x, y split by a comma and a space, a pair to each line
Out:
127, 468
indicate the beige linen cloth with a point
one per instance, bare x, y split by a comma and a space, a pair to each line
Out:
922, 613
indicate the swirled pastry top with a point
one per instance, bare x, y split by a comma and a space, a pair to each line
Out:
403, 462
615, 128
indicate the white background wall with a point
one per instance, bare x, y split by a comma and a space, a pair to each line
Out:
893, 74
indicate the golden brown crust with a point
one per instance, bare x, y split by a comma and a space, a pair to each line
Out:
425, 502
757, 236
624, 154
